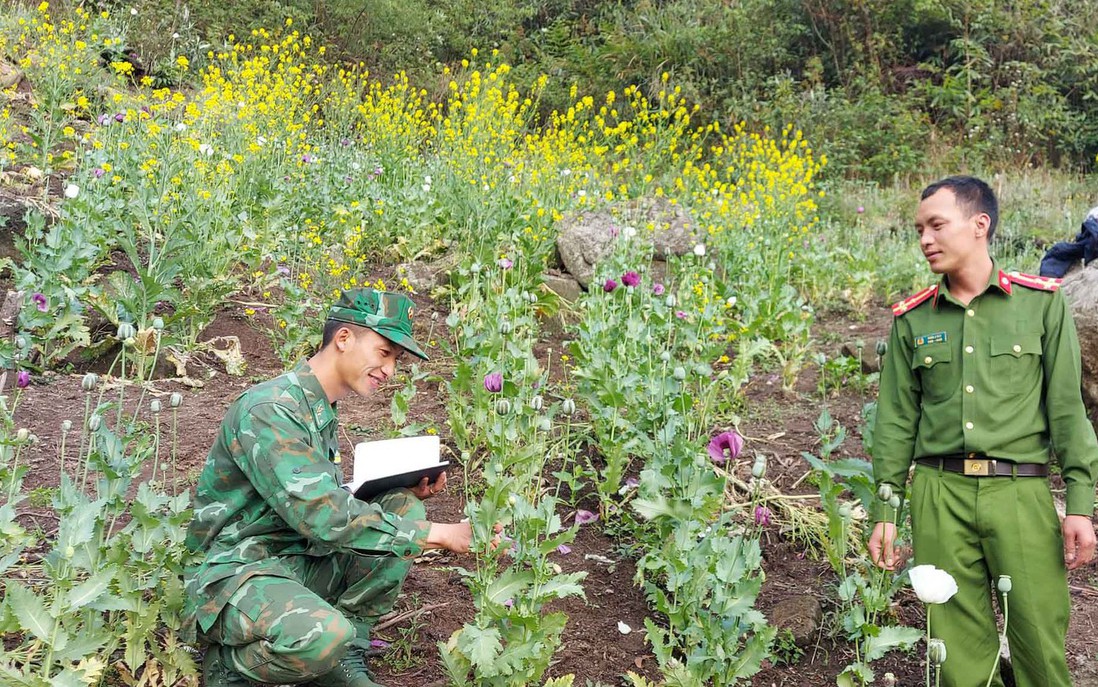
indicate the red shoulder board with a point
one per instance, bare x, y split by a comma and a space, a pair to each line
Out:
1035, 282
909, 303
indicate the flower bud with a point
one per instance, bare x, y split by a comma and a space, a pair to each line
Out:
679, 373
1005, 585
936, 652
894, 502
154, 406
884, 492
503, 406
129, 342
670, 301
22, 435
845, 511
33, 439
89, 381
20, 342
93, 422
536, 403
759, 468
544, 424
511, 500
703, 370
126, 331
158, 323
568, 406
882, 348
66, 426
176, 399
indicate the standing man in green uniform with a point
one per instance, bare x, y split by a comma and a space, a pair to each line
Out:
296, 570
981, 383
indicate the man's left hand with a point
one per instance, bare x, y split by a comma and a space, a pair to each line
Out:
425, 490
1079, 540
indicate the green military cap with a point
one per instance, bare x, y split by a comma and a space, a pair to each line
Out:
385, 312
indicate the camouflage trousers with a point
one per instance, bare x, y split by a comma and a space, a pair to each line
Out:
284, 630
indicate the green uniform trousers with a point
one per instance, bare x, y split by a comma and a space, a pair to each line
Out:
284, 630
976, 529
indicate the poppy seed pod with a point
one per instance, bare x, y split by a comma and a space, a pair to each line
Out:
89, 381
154, 405
20, 342
158, 323
505, 327
66, 426
125, 331
503, 406
884, 492
22, 435
544, 424
759, 468
882, 348
93, 422
679, 373
176, 400
845, 511
894, 502
1005, 584
665, 356
536, 403
568, 406
936, 652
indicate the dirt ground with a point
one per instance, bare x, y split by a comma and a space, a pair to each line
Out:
779, 424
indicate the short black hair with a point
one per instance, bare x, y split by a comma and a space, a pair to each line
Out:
333, 326
973, 194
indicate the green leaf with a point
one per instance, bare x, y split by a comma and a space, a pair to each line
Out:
88, 591
563, 585
480, 646
889, 638
508, 585
30, 610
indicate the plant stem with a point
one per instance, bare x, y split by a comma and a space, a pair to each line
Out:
928, 607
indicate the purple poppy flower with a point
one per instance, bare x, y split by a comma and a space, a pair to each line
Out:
657, 289
564, 549
344, 142
585, 517
493, 382
614, 232
725, 445
762, 516
505, 263
103, 119
40, 302
860, 209
509, 603
631, 279
98, 172
23, 379
348, 179
609, 285
681, 314
282, 269
379, 644
120, 117
632, 482
307, 158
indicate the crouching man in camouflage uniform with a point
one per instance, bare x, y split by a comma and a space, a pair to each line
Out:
296, 570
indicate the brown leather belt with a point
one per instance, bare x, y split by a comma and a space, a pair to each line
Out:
979, 465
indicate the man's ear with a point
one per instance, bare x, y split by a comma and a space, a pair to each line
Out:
343, 339
983, 224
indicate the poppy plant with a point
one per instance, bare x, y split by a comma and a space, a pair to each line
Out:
493, 381
630, 279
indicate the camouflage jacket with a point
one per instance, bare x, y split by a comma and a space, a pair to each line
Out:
271, 488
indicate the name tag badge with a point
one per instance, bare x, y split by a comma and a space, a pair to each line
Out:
926, 339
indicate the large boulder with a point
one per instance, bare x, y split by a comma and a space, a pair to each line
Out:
1081, 289
587, 237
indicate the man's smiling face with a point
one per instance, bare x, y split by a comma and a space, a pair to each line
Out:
950, 234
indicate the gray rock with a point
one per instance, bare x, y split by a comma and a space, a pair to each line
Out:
588, 237
801, 615
564, 286
1081, 289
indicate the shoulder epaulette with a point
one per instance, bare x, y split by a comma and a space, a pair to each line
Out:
1034, 282
912, 301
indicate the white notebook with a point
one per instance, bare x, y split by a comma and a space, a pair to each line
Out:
394, 463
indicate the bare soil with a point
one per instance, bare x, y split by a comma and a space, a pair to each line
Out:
775, 422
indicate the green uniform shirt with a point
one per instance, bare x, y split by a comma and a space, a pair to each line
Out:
271, 488
1000, 376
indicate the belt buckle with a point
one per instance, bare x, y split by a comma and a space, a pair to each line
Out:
975, 467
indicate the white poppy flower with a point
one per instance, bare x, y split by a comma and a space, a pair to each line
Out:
206, 149
72, 191
932, 585
699, 250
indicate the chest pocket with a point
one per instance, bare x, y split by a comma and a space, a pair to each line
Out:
933, 366
1015, 360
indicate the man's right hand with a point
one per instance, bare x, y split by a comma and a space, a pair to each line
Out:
882, 543
456, 537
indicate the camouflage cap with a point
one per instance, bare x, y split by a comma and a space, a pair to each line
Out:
385, 312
